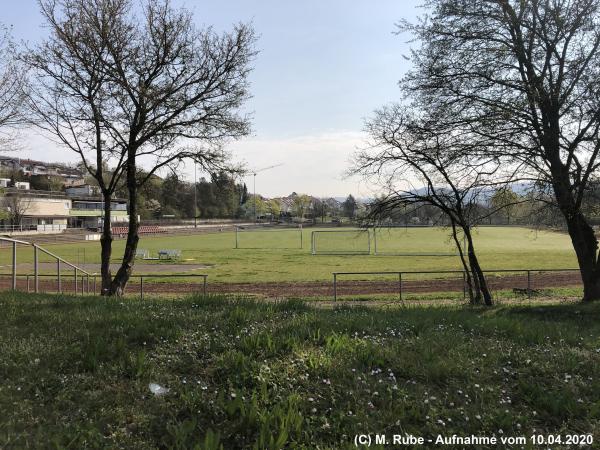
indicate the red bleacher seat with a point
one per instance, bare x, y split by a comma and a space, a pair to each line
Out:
143, 229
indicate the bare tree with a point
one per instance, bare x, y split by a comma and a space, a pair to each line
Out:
71, 96
420, 162
13, 84
17, 207
162, 91
525, 76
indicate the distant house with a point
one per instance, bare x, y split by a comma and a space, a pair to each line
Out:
28, 167
82, 190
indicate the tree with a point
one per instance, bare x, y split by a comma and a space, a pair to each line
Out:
524, 76
255, 207
349, 207
155, 89
17, 207
505, 199
408, 148
274, 208
301, 205
72, 95
319, 208
46, 182
13, 84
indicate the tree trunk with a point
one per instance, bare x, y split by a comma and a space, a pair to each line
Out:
124, 273
106, 247
467, 271
580, 231
586, 248
476, 269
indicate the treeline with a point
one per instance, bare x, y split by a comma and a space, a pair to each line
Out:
502, 206
218, 197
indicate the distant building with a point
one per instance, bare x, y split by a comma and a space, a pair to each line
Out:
87, 211
82, 190
28, 167
57, 210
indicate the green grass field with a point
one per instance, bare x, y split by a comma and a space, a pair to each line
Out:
498, 248
76, 372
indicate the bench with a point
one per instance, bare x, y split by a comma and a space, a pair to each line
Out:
169, 254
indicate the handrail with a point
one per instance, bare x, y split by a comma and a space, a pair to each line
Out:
14, 241
49, 253
36, 247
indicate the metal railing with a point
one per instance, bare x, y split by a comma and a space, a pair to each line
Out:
85, 284
36, 274
401, 277
83, 281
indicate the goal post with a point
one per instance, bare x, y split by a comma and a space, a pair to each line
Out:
414, 241
341, 242
268, 238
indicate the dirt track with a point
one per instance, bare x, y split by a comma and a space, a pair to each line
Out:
345, 287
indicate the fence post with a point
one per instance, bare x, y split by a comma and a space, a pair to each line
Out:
36, 286
301, 238
236, 237
204, 288
59, 285
94, 284
141, 287
76, 282
14, 266
334, 287
529, 285
27, 278
375, 241
399, 284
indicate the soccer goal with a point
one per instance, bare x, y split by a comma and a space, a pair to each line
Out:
341, 242
413, 241
268, 238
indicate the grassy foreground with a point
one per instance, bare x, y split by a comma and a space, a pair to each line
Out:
75, 372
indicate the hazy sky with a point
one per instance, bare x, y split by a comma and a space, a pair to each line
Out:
323, 67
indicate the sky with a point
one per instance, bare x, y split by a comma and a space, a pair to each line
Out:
323, 67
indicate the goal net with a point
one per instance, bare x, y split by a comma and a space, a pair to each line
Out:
268, 238
414, 241
341, 242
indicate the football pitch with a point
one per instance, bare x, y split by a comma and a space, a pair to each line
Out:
286, 255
